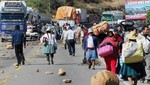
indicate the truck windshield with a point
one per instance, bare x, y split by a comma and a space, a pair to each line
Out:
107, 17
12, 17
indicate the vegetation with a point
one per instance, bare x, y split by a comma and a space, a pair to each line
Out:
148, 17
93, 6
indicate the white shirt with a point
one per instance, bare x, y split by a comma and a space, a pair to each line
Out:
90, 43
50, 38
70, 34
82, 34
64, 34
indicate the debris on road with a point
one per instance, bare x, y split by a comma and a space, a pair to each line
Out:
9, 46
48, 72
37, 70
105, 78
61, 72
3, 54
67, 80
1, 71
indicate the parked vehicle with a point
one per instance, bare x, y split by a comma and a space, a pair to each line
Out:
112, 17
12, 13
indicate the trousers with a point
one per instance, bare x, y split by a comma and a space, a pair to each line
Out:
111, 63
19, 53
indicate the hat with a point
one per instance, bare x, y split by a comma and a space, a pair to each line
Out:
90, 30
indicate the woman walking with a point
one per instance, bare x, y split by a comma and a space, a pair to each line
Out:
111, 60
49, 45
133, 71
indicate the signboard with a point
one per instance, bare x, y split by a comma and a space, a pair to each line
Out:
12, 10
135, 10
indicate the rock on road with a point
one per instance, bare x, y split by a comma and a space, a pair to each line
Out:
36, 71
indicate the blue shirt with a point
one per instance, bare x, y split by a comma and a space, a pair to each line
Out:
18, 37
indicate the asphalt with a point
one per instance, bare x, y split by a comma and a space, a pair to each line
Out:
27, 74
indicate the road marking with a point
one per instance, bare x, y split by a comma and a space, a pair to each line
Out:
2, 81
19, 68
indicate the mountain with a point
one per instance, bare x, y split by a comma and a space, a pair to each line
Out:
93, 6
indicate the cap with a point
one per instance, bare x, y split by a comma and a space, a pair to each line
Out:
90, 30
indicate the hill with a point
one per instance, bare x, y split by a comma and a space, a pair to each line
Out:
93, 6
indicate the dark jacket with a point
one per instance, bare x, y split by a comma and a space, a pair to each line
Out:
94, 40
18, 37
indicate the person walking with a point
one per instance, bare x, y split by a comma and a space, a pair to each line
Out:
71, 41
133, 71
146, 46
49, 45
119, 39
18, 40
90, 45
64, 36
111, 60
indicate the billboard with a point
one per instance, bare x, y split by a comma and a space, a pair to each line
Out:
135, 10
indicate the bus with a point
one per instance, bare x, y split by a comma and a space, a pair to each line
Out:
12, 13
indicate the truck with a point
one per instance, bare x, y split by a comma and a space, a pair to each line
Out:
82, 14
66, 14
12, 13
112, 17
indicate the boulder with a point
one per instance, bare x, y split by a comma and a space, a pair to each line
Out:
48, 72
105, 78
37, 70
9, 46
67, 80
1, 71
61, 72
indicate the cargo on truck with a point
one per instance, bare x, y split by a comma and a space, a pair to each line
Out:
66, 14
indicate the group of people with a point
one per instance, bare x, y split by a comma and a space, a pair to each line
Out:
115, 62
91, 43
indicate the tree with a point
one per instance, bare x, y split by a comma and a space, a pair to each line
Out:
148, 17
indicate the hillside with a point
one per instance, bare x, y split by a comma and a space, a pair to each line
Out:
93, 6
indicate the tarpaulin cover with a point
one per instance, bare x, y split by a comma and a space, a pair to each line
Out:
64, 12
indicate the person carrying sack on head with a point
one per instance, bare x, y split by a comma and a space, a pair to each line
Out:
49, 45
18, 40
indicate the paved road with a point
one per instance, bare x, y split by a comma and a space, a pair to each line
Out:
27, 75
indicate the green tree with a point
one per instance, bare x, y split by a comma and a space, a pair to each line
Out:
148, 17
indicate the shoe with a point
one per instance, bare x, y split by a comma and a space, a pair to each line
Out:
73, 54
90, 64
48, 63
148, 81
16, 66
52, 61
23, 62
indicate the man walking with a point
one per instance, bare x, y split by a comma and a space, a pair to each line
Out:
71, 41
18, 39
